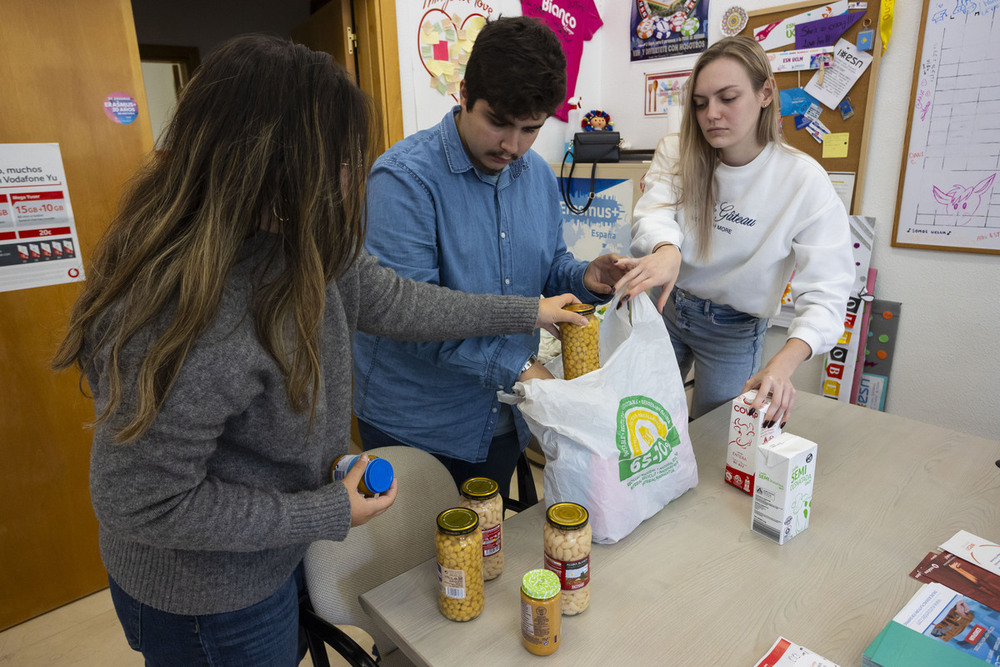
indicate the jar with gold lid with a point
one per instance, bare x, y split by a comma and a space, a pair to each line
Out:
459, 545
567, 537
482, 496
580, 345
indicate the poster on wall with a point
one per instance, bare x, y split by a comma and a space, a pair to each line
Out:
668, 28
435, 38
663, 91
606, 226
38, 242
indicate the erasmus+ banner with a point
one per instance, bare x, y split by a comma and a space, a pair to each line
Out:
604, 227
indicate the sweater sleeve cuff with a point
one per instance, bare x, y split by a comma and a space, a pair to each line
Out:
810, 337
321, 514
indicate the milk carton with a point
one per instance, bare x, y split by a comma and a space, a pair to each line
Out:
782, 500
746, 434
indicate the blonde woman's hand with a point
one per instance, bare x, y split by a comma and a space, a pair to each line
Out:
658, 269
774, 382
365, 509
551, 313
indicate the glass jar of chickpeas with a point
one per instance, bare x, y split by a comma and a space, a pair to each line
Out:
580, 345
459, 564
567, 537
482, 496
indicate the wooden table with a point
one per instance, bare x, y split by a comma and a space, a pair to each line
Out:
695, 586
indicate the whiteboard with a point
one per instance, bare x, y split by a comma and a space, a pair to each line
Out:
949, 196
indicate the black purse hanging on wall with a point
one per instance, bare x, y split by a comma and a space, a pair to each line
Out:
590, 147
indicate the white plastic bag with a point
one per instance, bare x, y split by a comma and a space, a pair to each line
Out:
616, 439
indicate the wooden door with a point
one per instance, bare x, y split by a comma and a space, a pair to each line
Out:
361, 35
59, 60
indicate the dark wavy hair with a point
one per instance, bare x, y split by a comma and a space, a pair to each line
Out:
517, 65
267, 134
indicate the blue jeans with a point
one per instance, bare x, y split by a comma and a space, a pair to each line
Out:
724, 344
266, 633
500, 463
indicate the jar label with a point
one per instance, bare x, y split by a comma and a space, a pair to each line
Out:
536, 624
451, 582
344, 464
573, 575
491, 540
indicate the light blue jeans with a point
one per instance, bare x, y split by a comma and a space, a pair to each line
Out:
266, 633
724, 344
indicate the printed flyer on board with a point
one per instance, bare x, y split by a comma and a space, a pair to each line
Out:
38, 242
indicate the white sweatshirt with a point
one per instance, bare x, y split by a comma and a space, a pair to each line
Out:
775, 214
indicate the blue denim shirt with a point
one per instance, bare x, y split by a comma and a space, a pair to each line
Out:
432, 216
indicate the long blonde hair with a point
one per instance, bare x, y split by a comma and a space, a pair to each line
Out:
698, 159
265, 133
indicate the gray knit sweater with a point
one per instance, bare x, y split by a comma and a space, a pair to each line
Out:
212, 509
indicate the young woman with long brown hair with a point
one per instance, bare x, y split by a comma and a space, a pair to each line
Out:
215, 334
724, 219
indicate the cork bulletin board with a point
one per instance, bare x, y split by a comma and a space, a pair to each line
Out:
861, 95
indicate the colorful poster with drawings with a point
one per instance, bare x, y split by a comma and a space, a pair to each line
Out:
38, 242
445, 44
950, 196
434, 38
880, 343
604, 227
663, 91
574, 22
838, 369
664, 28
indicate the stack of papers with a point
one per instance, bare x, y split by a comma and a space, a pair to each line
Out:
942, 626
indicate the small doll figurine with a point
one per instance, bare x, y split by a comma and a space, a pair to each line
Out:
597, 121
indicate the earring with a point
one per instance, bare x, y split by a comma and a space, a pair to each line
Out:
274, 211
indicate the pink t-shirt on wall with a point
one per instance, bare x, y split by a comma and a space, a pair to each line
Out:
574, 22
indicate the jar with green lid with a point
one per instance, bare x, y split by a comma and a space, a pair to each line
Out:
580, 345
541, 616
482, 496
567, 537
459, 564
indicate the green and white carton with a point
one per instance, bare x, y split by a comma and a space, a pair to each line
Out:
782, 500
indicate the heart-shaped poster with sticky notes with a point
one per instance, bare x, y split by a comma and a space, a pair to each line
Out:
445, 43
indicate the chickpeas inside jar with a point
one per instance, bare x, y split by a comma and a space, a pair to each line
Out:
580, 345
567, 537
482, 496
460, 564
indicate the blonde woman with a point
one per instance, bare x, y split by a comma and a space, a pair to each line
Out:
724, 219
215, 334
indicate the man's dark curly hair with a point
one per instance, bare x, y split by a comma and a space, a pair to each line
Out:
517, 65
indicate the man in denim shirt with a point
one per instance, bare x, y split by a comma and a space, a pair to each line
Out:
466, 204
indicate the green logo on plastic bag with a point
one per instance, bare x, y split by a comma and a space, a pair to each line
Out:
646, 435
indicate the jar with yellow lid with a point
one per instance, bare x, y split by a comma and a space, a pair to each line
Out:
459, 564
580, 345
482, 496
541, 616
377, 477
567, 538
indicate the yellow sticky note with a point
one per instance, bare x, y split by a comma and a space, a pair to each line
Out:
835, 144
429, 38
437, 67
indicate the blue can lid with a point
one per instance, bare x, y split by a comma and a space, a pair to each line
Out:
378, 475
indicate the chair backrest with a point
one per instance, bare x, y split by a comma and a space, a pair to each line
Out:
388, 545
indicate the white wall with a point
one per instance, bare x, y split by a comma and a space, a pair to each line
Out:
946, 369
